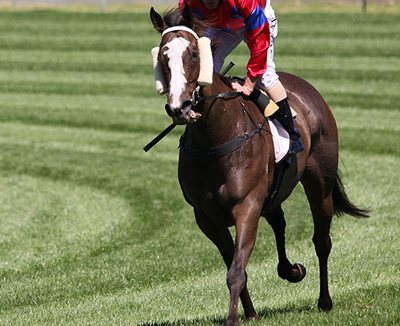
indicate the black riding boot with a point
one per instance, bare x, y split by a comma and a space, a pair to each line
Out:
285, 118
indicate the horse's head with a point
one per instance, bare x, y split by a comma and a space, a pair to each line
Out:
182, 63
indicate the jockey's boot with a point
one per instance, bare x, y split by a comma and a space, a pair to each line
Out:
285, 118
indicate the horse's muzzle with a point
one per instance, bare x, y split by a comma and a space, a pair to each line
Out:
184, 114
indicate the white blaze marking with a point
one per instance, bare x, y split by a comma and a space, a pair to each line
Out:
174, 51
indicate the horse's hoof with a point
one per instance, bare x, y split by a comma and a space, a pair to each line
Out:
253, 317
296, 273
325, 304
232, 323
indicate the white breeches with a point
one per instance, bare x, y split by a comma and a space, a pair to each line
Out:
228, 41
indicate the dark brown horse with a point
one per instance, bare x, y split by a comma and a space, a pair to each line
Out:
226, 162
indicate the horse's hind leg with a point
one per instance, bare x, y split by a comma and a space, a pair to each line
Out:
319, 194
222, 238
293, 273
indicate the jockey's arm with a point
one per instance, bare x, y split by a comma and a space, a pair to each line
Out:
258, 37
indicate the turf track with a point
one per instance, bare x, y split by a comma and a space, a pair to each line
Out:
95, 232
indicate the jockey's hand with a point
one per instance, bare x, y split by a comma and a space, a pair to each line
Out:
247, 88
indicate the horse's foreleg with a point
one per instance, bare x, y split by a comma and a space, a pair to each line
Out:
246, 215
222, 239
293, 273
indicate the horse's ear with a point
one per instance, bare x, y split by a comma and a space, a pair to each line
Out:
187, 15
157, 20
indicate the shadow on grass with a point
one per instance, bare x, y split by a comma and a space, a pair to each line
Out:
289, 309
263, 313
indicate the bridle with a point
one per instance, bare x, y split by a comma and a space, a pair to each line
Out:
197, 96
206, 70
180, 28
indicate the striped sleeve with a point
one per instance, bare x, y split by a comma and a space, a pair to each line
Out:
257, 35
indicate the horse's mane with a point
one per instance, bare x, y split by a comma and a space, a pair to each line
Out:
173, 17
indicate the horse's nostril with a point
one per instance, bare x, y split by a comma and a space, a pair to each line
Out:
169, 110
183, 113
172, 111
186, 104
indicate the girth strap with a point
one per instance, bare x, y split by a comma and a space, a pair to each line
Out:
233, 144
220, 150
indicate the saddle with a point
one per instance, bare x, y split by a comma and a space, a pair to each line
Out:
268, 107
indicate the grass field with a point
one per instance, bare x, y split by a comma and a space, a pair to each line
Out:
93, 231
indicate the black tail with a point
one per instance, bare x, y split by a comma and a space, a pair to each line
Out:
342, 204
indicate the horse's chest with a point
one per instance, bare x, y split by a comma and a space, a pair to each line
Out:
199, 181
206, 193
209, 185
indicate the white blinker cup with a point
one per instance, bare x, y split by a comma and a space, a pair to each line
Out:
206, 61
161, 85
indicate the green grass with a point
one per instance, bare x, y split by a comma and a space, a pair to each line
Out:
93, 231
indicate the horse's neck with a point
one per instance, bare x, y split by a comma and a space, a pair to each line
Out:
221, 121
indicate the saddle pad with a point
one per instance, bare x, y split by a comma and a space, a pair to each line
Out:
280, 138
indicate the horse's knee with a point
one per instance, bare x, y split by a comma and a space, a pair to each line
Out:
278, 225
236, 279
276, 219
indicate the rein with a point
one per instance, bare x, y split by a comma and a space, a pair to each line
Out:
197, 98
195, 101
216, 151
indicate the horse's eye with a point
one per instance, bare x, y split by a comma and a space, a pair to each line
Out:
163, 59
195, 56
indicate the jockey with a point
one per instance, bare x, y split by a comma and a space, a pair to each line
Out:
254, 22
